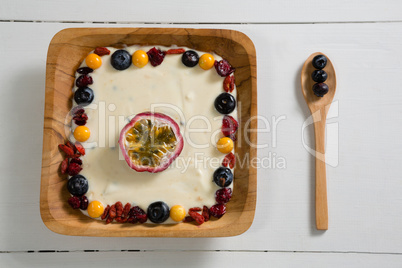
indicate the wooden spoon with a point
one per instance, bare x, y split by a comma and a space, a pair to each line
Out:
319, 107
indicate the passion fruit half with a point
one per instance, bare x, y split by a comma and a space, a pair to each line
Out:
151, 142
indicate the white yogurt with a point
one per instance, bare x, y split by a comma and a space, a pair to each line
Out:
185, 94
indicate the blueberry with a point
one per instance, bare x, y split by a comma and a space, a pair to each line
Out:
223, 177
225, 103
319, 62
190, 58
320, 89
77, 185
158, 212
121, 60
83, 96
319, 76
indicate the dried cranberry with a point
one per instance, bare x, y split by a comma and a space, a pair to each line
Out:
121, 220
229, 125
84, 202
132, 220
109, 219
142, 218
80, 148
102, 51
175, 51
69, 144
223, 68
76, 160
229, 160
126, 210
228, 83
84, 70
156, 56
112, 214
205, 213
77, 110
105, 212
83, 81
69, 152
64, 166
197, 217
222, 196
119, 209
217, 210
80, 122
188, 219
74, 169
80, 117
138, 214
75, 202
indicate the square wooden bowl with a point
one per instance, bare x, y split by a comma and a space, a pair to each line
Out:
67, 50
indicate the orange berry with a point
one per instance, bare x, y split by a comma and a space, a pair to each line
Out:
95, 209
140, 58
206, 61
82, 133
225, 145
93, 61
177, 213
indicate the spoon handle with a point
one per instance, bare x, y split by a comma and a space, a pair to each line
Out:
321, 205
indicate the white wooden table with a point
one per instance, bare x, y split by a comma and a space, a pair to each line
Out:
364, 139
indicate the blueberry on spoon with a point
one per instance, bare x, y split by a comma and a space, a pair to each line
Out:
319, 62
319, 76
320, 89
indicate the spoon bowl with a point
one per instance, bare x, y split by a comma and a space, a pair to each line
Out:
319, 107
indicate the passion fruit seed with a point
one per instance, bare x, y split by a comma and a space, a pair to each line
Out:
149, 143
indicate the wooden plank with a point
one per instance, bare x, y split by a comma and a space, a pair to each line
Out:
198, 259
209, 11
363, 187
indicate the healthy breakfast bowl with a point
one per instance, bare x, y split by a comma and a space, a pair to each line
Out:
68, 49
